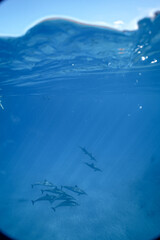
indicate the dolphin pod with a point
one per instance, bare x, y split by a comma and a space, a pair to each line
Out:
91, 165
52, 193
55, 193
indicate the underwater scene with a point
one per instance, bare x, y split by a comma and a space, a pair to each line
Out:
80, 132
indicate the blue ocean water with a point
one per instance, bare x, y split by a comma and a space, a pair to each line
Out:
69, 93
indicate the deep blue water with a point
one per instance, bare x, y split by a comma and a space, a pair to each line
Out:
65, 85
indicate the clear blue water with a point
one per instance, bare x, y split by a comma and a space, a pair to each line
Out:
64, 85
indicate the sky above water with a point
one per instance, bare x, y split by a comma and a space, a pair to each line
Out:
16, 16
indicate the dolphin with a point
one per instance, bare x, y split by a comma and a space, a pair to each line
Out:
75, 189
45, 183
91, 157
66, 204
55, 190
88, 153
91, 165
84, 150
66, 197
47, 197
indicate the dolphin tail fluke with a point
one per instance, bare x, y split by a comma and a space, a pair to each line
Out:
53, 209
32, 185
32, 202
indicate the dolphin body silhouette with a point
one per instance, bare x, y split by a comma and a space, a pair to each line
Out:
84, 150
75, 189
66, 204
91, 165
47, 197
45, 183
65, 197
54, 190
61, 194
